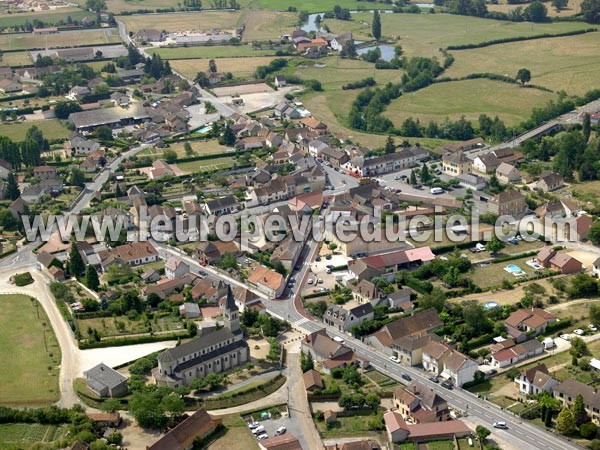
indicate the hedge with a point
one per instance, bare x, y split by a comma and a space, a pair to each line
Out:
23, 279
132, 340
421, 286
519, 38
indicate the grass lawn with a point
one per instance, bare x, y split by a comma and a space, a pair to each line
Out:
469, 98
493, 274
207, 165
259, 25
49, 17
201, 148
424, 34
491, 385
347, 427
216, 51
440, 445
16, 59
573, 7
570, 63
463, 444
240, 68
237, 436
22, 41
121, 325
26, 434
32, 377
52, 129
314, 6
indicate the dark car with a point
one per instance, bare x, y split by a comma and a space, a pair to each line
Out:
448, 385
328, 257
406, 377
492, 372
318, 258
434, 379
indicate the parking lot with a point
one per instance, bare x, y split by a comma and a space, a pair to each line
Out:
272, 425
318, 271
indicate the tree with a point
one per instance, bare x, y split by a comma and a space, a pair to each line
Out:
595, 314
413, 178
482, 433
63, 109
12, 188
7, 221
559, 4
187, 147
591, 11
76, 266
579, 413
173, 404
495, 245
579, 348
594, 233
96, 6
110, 405
212, 66
536, 12
332, 246
523, 76
228, 137
425, 176
91, 278
147, 410
201, 79
587, 127
452, 277
390, 146
306, 362
372, 401
565, 422
104, 133
351, 375
77, 178
170, 156
376, 26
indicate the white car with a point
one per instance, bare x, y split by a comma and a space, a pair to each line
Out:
262, 436
253, 425
501, 425
311, 281
579, 332
394, 359
566, 337
592, 327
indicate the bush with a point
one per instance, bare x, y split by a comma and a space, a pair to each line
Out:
588, 430
23, 279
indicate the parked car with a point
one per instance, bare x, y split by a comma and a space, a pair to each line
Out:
579, 332
406, 376
566, 337
394, 359
262, 436
328, 257
397, 178
492, 372
310, 281
501, 425
259, 430
320, 281
592, 327
448, 385
253, 425
280, 430
434, 379
318, 258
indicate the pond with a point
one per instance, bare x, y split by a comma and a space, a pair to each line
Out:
312, 26
387, 51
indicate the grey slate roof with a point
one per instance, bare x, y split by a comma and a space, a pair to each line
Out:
102, 375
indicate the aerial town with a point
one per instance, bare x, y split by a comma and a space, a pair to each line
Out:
277, 225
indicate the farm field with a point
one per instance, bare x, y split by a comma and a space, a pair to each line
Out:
25, 41
16, 59
49, 17
240, 68
573, 7
259, 25
52, 129
424, 34
216, 51
570, 63
32, 378
26, 434
469, 98
314, 6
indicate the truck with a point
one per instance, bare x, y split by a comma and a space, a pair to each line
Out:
436, 190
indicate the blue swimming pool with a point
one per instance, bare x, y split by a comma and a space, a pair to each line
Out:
513, 269
203, 130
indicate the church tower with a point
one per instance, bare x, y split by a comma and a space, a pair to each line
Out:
231, 313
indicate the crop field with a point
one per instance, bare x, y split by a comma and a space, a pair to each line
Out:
424, 34
573, 7
52, 129
259, 25
32, 378
314, 6
470, 98
24, 41
239, 67
214, 51
26, 434
16, 59
49, 17
570, 63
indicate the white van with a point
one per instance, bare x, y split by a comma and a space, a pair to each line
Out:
280, 430
258, 430
436, 190
339, 340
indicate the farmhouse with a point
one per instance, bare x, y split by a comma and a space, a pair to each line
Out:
198, 426
550, 181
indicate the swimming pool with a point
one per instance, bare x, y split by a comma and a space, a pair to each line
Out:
203, 130
514, 270
490, 305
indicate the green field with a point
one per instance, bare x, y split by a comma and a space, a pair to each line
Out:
52, 129
314, 6
201, 148
424, 34
16, 59
239, 67
214, 51
570, 63
26, 41
469, 98
49, 17
259, 25
207, 165
32, 377
26, 434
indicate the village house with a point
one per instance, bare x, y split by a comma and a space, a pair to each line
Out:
329, 352
208, 289
344, 319
280, 81
399, 431
551, 259
165, 287
284, 441
214, 352
314, 125
507, 173
508, 203
388, 163
133, 254
312, 380
420, 404
512, 355
267, 281
448, 363
8, 86
220, 206
44, 172
78, 145
579, 227
196, 427
245, 298
464, 146
366, 291
388, 264
5, 169
486, 163
525, 323
189, 310
550, 181
472, 181
535, 381
400, 299
455, 164
176, 268
105, 381
568, 390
